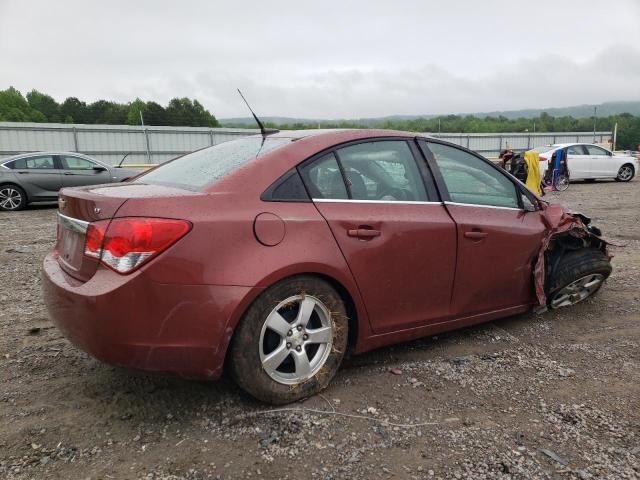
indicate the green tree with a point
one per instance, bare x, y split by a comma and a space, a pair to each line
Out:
45, 104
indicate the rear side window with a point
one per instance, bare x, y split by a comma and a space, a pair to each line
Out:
204, 167
324, 179
19, 164
34, 163
383, 170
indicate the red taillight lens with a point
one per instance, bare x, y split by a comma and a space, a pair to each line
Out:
94, 238
543, 159
125, 244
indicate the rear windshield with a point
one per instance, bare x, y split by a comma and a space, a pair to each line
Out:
203, 167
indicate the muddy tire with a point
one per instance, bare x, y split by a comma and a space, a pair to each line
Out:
578, 276
626, 173
12, 197
291, 341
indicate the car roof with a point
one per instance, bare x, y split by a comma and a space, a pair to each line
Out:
37, 154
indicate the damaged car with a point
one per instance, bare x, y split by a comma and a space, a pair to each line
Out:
271, 257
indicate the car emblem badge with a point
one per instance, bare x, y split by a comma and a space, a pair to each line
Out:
62, 203
96, 210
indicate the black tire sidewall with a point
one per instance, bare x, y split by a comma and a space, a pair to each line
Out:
577, 264
633, 173
244, 359
23, 197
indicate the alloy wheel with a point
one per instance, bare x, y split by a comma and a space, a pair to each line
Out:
625, 173
10, 198
296, 339
577, 290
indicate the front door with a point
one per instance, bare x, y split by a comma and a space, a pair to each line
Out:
80, 171
602, 163
498, 240
397, 239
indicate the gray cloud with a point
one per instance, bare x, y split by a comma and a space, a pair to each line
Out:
329, 59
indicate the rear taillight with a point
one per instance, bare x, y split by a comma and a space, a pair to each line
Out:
543, 159
124, 244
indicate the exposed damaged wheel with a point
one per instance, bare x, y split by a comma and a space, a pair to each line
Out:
578, 276
625, 173
291, 341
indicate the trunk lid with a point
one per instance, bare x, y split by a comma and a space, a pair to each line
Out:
78, 207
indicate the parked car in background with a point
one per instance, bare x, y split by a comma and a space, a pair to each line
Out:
37, 177
272, 256
590, 162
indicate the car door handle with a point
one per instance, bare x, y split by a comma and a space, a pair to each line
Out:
364, 233
475, 235
69, 173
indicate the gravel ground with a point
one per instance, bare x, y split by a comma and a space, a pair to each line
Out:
532, 396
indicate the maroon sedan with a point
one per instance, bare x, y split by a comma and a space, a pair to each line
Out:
273, 256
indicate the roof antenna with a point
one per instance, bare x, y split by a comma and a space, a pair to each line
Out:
264, 131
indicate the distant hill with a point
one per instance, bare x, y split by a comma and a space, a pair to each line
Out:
578, 111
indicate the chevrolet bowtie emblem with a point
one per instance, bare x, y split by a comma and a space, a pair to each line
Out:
61, 203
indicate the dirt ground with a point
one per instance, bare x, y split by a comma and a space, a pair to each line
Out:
532, 396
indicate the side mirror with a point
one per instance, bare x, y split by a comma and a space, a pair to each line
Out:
99, 169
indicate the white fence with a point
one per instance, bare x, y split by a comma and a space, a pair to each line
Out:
110, 143
490, 144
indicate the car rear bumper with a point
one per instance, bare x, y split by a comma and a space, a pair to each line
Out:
133, 322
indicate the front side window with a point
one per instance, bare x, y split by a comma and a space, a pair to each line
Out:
470, 180
383, 170
201, 168
575, 150
75, 163
594, 150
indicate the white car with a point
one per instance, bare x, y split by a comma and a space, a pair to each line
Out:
589, 162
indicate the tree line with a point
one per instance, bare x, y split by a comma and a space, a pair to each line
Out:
628, 136
39, 107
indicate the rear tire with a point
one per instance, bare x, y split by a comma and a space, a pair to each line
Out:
12, 197
626, 173
578, 276
291, 341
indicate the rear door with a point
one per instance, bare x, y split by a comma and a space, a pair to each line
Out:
38, 176
79, 171
395, 234
497, 239
578, 162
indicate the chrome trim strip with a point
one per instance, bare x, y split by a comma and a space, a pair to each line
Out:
391, 202
482, 206
73, 224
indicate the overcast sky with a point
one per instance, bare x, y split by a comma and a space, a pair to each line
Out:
326, 59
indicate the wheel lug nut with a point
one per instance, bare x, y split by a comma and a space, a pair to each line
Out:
299, 348
289, 333
299, 327
288, 345
305, 336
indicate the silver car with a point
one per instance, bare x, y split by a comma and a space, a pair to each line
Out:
37, 177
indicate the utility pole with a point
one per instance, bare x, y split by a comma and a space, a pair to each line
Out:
595, 110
